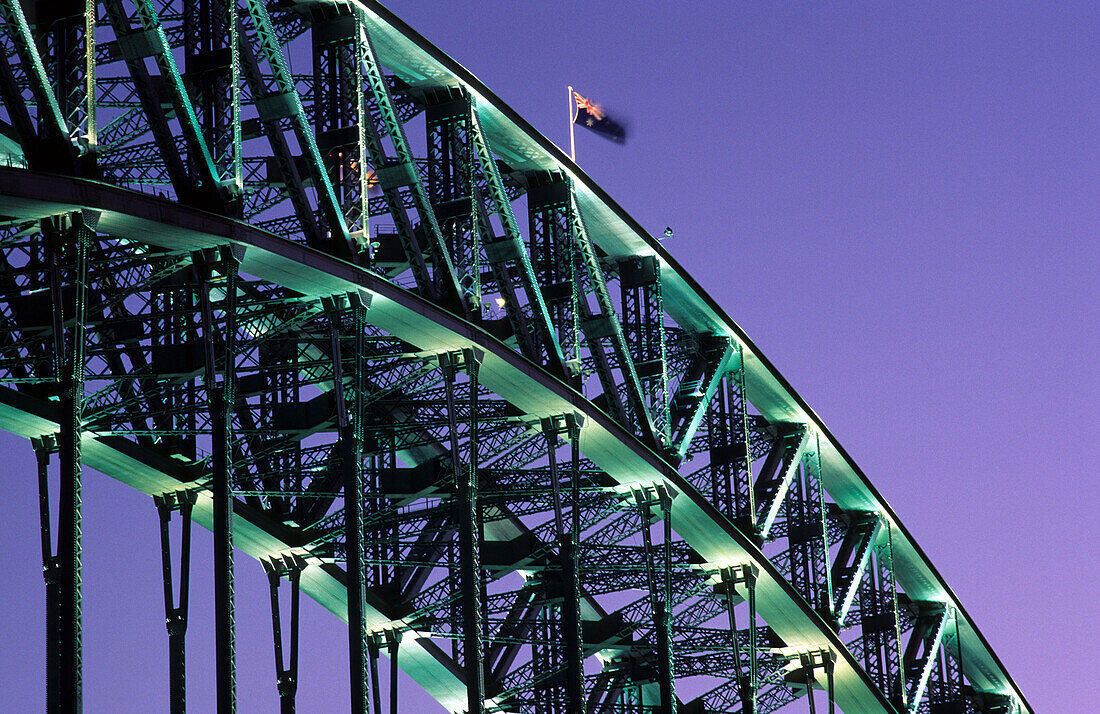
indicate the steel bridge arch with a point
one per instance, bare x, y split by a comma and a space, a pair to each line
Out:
71, 213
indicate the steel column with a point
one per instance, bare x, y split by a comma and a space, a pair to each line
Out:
660, 588
881, 624
644, 330
571, 616
469, 525
222, 402
568, 538
395, 650
376, 685
350, 426
224, 614
663, 614
69, 369
286, 674
42, 449
744, 575
175, 608
356, 572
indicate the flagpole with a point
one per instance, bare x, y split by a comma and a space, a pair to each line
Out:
572, 139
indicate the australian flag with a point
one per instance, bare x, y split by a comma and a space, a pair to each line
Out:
592, 116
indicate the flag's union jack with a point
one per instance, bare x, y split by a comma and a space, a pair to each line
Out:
591, 116
588, 106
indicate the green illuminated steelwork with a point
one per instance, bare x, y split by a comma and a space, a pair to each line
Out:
509, 248
402, 172
49, 111
373, 430
603, 323
272, 53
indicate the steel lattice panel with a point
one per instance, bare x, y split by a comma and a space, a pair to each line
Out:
521, 449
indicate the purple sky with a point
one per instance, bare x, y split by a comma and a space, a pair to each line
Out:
898, 205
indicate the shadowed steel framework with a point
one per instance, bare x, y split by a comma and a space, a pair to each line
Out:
366, 325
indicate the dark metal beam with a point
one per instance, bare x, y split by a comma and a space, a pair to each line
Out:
464, 465
350, 414
286, 673
175, 606
268, 47
49, 111
68, 240
221, 389
508, 250
696, 389
50, 564
400, 175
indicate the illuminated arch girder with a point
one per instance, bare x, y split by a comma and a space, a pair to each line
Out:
307, 336
776, 490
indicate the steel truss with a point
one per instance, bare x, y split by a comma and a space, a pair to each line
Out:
561, 494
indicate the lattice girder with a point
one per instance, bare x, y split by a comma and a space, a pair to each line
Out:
583, 498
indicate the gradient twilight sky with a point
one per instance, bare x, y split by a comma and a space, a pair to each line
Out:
899, 206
